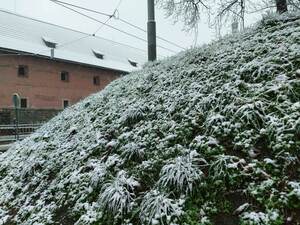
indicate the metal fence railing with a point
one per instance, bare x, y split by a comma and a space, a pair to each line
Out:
12, 132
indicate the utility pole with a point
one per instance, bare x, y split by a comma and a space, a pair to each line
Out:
151, 31
281, 6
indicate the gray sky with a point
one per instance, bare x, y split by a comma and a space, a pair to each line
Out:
133, 11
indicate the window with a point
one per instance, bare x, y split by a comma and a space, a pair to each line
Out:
133, 63
64, 76
23, 71
66, 103
24, 103
98, 54
96, 80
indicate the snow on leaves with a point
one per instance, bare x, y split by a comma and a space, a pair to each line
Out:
117, 194
158, 208
172, 143
183, 173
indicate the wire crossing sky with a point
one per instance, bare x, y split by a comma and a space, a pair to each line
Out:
112, 27
133, 12
117, 17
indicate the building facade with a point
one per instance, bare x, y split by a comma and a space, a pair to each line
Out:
46, 84
53, 67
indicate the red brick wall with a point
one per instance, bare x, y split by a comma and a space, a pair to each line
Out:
43, 87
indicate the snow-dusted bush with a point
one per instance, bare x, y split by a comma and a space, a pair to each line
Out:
295, 186
260, 218
183, 173
98, 173
117, 194
223, 165
3, 217
132, 151
158, 208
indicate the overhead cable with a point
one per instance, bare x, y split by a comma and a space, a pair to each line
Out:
110, 26
118, 18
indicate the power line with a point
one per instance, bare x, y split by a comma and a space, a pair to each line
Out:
118, 5
110, 26
109, 18
122, 20
17, 53
73, 41
88, 35
142, 29
96, 20
69, 4
80, 38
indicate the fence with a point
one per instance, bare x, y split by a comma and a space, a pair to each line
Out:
27, 116
10, 133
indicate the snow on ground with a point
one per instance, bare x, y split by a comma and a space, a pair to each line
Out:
212, 134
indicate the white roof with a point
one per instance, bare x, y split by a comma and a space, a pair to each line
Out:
24, 34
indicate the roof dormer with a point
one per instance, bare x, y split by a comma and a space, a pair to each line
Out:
49, 42
133, 63
98, 54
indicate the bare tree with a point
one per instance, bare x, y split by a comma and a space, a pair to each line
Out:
188, 11
219, 11
233, 10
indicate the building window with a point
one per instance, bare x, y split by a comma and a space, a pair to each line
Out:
96, 80
23, 71
64, 76
24, 103
66, 103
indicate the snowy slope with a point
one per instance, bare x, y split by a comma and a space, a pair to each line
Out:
211, 136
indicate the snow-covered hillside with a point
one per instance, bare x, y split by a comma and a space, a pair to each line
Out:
211, 136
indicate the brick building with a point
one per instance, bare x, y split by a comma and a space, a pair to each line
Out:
52, 67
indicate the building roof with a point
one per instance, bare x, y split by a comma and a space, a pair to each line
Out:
23, 34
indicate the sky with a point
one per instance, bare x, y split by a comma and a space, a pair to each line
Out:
134, 11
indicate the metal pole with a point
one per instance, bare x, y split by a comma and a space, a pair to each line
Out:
17, 123
151, 31
16, 101
281, 6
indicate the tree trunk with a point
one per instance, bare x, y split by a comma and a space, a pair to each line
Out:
281, 6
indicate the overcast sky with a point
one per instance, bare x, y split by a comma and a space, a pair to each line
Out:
135, 11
